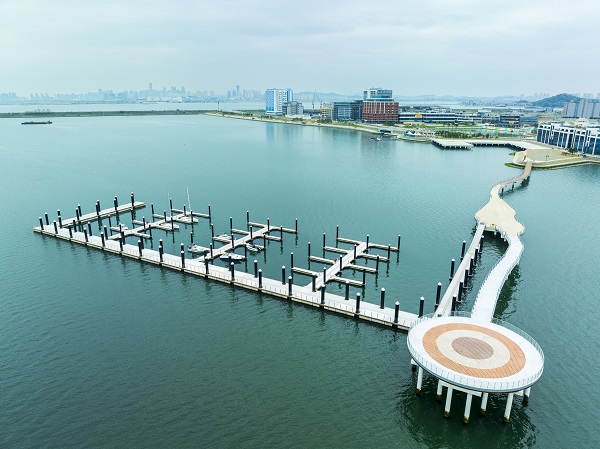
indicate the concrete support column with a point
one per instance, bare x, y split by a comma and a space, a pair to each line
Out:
448, 402
507, 409
526, 394
438, 393
484, 399
419, 381
467, 408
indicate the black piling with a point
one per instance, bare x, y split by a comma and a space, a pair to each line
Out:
296, 226
102, 238
466, 278
367, 242
247, 217
382, 300
140, 248
283, 274
230, 225
47, 220
212, 230
341, 263
314, 283
165, 216
357, 311
460, 291
182, 259
289, 286
291, 260
171, 204
105, 232
206, 266
481, 245
377, 264
97, 208
437, 294
452, 268
324, 275
232, 271
421, 306
132, 199
85, 234
255, 268
110, 224
172, 222
354, 255
337, 232
121, 245
77, 214
364, 280
160, 250
396, 312
453, 303
308, 247
268, 224
347, 292
41, 223
211, 251
184, 211
89, 226
462, 251
476, 254
471, 267
323, 294
191, 238
79, 209
209, 214
398, 243
259, 278
70, 233
116, 203
152, 208
55, 227
389, 253
59, 218
323, 240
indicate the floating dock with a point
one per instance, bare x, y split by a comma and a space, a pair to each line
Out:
79, 230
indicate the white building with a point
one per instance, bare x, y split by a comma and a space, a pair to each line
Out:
275, 98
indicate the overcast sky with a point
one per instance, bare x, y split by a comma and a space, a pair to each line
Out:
458, 47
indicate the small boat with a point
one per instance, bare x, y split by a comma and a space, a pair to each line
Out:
197, 249
37, 123
376, 138
223, 235
232, 257
253, 248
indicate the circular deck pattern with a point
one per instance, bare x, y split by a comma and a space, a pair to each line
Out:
470, 353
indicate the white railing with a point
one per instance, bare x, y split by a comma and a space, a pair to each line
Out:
470, 382
507, 271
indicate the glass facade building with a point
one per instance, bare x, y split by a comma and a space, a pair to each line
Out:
584, 139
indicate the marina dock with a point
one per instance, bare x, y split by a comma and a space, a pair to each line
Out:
113, 239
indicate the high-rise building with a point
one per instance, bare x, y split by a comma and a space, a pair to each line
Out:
379, 106
275, 98
584, 108
347, 111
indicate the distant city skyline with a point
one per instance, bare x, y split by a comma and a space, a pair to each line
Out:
462, 48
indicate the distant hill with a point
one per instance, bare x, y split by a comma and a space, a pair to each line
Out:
557, 101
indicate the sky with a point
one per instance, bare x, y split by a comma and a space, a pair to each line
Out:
439, 47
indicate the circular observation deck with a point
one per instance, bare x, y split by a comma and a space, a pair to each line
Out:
493, 357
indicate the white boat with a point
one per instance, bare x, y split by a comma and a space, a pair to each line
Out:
253, 248
232, 257
197, 249
223, 235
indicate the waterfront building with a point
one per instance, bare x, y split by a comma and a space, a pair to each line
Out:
582, 138
327, 110
347, 111
275, 98
292, 109
379, 106
584, 108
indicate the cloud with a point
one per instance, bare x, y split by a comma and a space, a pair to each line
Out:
335, 45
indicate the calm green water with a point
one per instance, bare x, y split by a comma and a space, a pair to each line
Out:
97, 351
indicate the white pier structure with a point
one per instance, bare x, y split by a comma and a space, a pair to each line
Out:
314, 294
473, 352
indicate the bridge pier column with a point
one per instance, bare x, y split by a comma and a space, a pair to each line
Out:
526, 394
483, 406
419, 381
438, 393
467, 409
448, 402
508, 408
